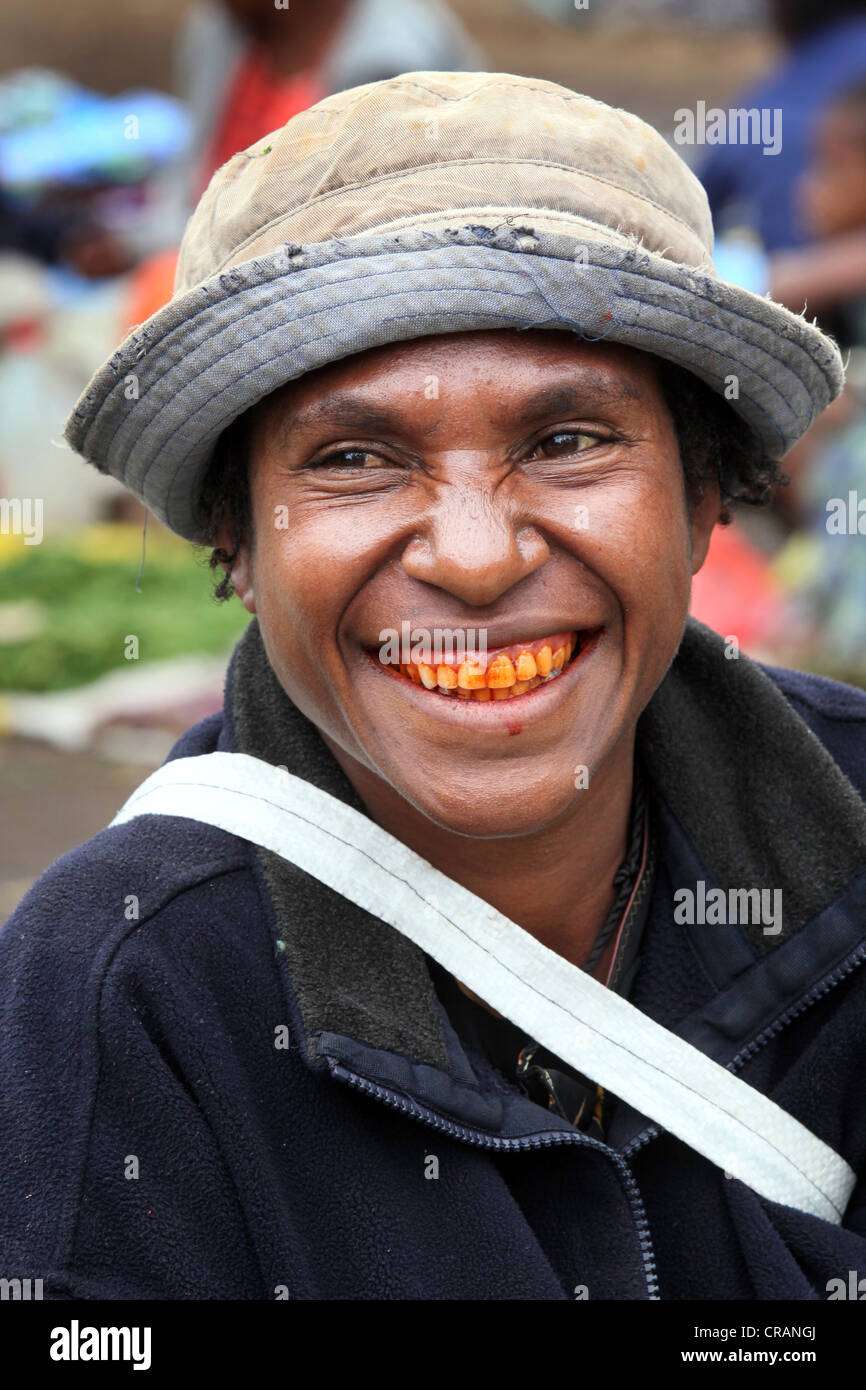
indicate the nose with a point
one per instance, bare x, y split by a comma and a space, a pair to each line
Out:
473, 546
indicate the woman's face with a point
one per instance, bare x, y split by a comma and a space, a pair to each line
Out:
521, 491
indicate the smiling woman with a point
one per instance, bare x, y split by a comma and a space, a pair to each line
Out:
452, 394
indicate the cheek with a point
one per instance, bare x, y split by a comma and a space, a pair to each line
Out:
300, 591
311, 560
323, 563
655, 600
301, 557
299, 600
638, 541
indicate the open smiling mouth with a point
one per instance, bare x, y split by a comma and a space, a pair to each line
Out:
502, 673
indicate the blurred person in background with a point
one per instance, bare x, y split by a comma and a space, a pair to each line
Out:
59, 236
826, 55
832, 192
828, 467
824, 569
246, 66
830, 274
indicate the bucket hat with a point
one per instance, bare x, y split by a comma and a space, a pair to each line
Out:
430, 203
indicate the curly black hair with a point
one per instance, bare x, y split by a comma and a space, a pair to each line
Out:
225, 496
715, 445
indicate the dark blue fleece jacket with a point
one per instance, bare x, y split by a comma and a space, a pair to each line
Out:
218, 1079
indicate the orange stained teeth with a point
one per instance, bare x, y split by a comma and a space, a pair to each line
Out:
526, 667
445, 677
510, 672
471, 675
500, 673
544, 661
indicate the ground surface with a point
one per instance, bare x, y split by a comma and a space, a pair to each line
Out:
49, 802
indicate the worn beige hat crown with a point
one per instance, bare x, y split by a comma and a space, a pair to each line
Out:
410, 152
432, 203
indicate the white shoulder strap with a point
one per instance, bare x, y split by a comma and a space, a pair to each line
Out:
596, 1031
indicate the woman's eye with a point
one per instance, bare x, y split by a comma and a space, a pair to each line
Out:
566, 442
347, 458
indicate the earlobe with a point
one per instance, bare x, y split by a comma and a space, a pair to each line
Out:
240, 567
242, 581
246, 596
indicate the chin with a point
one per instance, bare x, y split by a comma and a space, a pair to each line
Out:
490, 810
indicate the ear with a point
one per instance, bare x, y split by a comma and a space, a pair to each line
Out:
242, 569
705, 517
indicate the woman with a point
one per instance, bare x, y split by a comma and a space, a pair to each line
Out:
450, 389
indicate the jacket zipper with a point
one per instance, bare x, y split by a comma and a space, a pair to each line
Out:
815, 993
751, 1049
541, 1140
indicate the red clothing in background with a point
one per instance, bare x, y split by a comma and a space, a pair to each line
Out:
257, 103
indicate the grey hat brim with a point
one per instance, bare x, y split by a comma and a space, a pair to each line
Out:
151, 416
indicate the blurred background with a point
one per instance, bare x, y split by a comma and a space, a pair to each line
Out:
113, 116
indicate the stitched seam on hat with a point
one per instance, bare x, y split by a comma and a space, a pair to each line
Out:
562, 94
669, 274
663, 270
672, 310
367, 244
394, 176
414, 222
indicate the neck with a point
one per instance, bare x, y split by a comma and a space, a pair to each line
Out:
556, 883
290, 43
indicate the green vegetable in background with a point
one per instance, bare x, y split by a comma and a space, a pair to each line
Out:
84, 591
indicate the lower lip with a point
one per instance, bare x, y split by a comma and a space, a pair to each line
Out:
519, 710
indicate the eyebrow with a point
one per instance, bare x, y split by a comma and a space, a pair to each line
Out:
591, 390
341, 409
